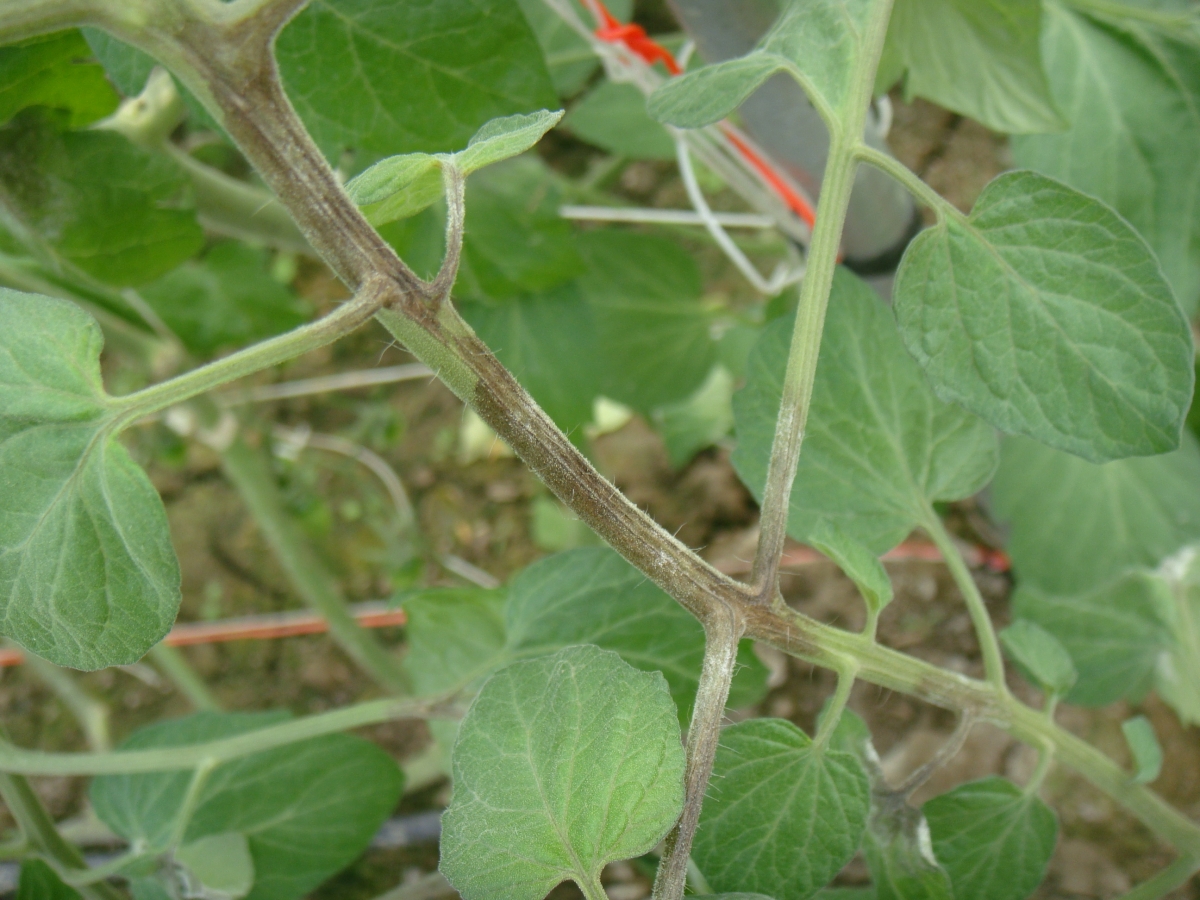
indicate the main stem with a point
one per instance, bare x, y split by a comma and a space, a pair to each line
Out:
845, 136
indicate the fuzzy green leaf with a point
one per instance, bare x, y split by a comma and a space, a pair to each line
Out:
613, 117
88, 575
880, 448
504, 138
1143, 744
562, 764
592, 596
1132, 95
227, 298
1114, 634
858, 563
817, 42
1045, 313
783, 817
305, 810
397, 187
1074, 525
118, 212
387, 78
980, 58
54, 70
993, 839
898, 853
39, 882
1039, 656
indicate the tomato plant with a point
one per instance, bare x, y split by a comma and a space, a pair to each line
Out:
163, 163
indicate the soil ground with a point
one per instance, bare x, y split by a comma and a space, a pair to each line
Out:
481, 511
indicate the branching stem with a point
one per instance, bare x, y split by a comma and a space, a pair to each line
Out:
720, 659
922, 192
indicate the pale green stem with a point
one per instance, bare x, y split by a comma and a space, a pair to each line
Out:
704, 733
43, 838
837, 705
1045, 763
250, 471
1173, 876
127, 762
696, 880
427, 887
911, 181
343, 320
592, 889
88, 711
80, 878
838, 182
173, 664
985, 633
191, 801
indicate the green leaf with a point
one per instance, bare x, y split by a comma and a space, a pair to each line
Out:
455, 636
228, 298
1177, 674
39, 882
652, 332
782, 818
562, 764
504, 138
220, 862
1143, 744
980, 58
613, 117
397, 187
700, 420
88, 575
118, 212
1045, 313
993, 839
568, 56
880, 448
817, 42
1040, 657
1114, 634
1074, 525
592, 596
1132, 95
858, 563
54, 70
385, 78
305, 810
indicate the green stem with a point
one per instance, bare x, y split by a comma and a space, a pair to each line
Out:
1173, 876
722, 634
592, 889
191, 800
845, 135
250, 472
922, 192
173, 664
837, 705
44, 840
18, 761
989, 646
343, 320
1131, 13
